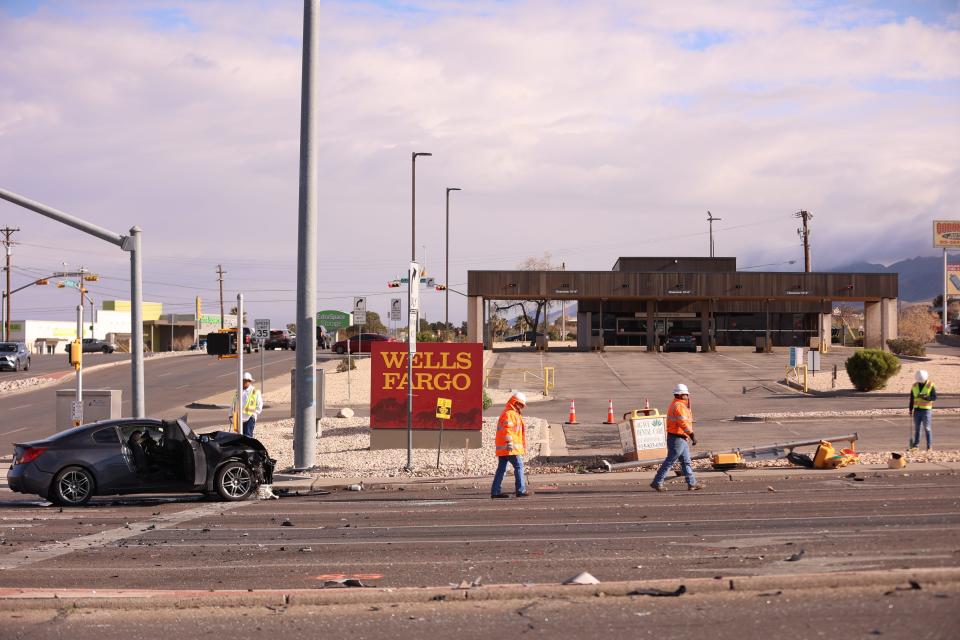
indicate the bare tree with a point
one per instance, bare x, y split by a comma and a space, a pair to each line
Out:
532, 310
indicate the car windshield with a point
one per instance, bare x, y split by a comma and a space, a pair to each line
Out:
8, 347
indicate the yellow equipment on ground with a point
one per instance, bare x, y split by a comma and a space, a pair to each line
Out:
827, 457
727, 460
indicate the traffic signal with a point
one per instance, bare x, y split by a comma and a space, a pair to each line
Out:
393, 284
91, 277
42, 281
221, 344
441, 287
76, 354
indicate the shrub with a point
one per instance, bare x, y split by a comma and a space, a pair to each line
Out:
918, 323
870, 369
346, 363
487, 400
907, 347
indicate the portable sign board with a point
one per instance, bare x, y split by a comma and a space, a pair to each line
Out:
643, 437
796, 356
444, 408
360, 310
262, 328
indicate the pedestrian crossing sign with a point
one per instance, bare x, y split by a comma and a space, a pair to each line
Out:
444, 408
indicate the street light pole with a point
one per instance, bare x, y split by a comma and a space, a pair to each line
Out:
411, 320
446, 276
711, 219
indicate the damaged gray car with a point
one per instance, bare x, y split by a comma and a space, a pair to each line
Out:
139, 456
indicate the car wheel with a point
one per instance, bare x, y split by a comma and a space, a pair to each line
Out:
105, 349
234, 481
26, 367
341, 350
72, 487
16, 366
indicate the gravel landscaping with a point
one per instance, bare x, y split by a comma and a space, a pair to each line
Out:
343, 451
943, 370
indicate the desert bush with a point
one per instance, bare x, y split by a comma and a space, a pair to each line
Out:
918, 323
487, 400
907, 347
346, 363
870, 369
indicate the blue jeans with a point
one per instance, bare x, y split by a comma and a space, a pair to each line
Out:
248, 426
922, 418
676, 448
517, 462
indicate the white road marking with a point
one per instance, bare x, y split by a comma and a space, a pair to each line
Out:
740, 361
24, 557
6, 433
21, 406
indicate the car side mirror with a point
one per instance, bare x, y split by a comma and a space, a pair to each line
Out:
204, 439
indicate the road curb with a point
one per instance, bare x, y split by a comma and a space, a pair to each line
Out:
123, 599
819, 416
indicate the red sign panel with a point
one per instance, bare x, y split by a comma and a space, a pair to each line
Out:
440, 370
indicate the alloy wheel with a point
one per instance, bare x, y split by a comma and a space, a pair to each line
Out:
237, 481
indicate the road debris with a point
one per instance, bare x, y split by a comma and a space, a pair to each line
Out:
342, 583
659, 593
796, 556
913, 586
286, 523
581, 578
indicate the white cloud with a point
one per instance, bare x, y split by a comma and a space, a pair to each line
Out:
588, 129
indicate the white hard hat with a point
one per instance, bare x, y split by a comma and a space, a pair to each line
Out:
922, 375
520, 397
247, 376
681, 389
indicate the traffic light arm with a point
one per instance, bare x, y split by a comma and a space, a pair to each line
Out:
38, 281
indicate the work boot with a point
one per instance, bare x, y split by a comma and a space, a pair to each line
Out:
501, 495
524, 494
657, 487
696, 487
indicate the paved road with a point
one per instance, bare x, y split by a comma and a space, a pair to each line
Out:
432, 538
170, 383
57, 363
869, 612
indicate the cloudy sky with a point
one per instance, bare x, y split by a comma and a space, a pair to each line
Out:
588, 130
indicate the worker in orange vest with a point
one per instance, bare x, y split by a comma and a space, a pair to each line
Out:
679, 431
511, 445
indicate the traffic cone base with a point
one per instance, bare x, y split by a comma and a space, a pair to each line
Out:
610, 418
573, 414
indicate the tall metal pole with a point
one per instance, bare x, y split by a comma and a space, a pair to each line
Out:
804, 233
305, 414
220, 273
412, 319
946, 327
238, 409
446, 276
136, 325
79, 393
7, 232
711, 219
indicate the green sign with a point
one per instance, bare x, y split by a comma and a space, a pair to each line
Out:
333, 320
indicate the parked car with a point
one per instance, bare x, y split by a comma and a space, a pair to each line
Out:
361, 342
137, 455
92, 345
680, 342
14, 356
526, 336
278, 339
293, 343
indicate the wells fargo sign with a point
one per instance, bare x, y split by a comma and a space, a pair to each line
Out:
440, 370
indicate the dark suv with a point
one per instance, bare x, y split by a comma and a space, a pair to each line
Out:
14, 356
278, 339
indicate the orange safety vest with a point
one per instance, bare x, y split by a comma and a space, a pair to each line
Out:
679, 418
511, 432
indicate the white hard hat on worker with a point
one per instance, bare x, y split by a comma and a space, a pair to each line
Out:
922, 376
519, 397
681, 390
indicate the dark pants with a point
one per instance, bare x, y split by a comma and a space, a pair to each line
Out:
248, 426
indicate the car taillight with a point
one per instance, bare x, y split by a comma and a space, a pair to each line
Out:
31, 453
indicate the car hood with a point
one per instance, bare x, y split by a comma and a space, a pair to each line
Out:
230, 437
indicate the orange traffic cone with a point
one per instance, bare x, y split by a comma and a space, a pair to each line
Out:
573, 414
610, 419
646, 406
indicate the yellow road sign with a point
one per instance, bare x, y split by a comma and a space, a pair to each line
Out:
444, 408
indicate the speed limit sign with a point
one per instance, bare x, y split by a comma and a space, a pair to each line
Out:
262, 328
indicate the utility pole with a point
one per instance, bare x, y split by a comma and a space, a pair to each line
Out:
711, 219
220, 273
8, 245
804, 233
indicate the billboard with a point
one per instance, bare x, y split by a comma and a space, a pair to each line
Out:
953, 280
946, 233
440, 370
333, 320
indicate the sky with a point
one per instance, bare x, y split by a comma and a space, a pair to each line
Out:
586, 130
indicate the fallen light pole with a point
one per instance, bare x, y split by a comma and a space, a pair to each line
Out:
131, 244
762, 452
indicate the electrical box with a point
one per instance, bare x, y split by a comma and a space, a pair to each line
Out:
98, 404
221, 344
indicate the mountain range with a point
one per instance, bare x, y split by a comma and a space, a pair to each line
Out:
921, 278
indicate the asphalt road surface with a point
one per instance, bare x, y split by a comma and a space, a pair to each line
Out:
784, 529
170, 384
57, 363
